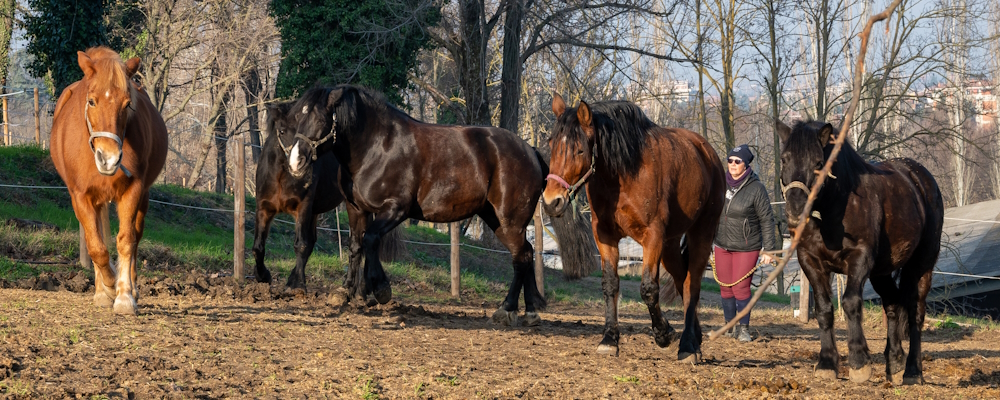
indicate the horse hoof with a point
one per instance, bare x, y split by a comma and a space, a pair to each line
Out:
693, 358
338, 298
913, 380
896, 378
505, 318
263, 277
861, 375
383, 295
607, 350
825, 374
102, 300
125, 305
531, 319
664, 339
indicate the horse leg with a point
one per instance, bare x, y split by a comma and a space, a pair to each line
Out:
607, 246
916, 286
649, 289
305, 240
699, 248
522, 255
819, 280
90, 222
128, 209
265, 215
376, 281
140, 224
354, 282
895, 315
859, 357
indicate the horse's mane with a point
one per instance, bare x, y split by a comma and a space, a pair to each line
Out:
850, 166
355, 102
622, 131
109, 70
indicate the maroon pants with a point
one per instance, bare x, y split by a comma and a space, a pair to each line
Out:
731, 266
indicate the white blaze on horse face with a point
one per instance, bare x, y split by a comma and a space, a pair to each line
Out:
305, 109
295, 159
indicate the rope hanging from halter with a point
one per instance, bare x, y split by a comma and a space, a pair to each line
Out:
106, 135
579, 182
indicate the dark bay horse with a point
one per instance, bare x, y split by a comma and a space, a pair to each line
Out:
651, 183
870, 221
110, 115
396, 167
305, 195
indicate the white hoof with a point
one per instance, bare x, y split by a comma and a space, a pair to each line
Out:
125, 305
861, 375
102, 300
505, 318
607, 350
531, 319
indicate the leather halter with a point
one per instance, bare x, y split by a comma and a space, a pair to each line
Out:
106, 135
314, 144
579, 182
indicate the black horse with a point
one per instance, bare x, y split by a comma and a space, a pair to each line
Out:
396, 167
304, 195
870, 221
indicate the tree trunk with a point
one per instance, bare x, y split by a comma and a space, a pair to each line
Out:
472, 61
702, 110
252, 88
6, 29
510, 89
221, 138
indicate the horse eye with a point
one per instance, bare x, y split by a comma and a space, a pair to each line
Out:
91, 102
579, 152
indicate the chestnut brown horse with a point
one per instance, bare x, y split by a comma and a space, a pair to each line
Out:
870, 221
304, 195
109, 144
651, 183
395, 167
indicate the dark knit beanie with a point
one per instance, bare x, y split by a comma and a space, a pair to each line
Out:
742, 152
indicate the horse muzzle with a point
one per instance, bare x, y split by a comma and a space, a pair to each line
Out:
298, 161
107, 164
555, 206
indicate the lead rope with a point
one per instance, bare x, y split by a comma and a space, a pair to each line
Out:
716, 275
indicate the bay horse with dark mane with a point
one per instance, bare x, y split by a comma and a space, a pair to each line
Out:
112, 117
647, 182
870, 221
396, 167
305, 195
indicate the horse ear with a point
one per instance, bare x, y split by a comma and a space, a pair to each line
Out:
132, 66
783, 130
558, 105
335, 96
583, 114
86, 64
826, 134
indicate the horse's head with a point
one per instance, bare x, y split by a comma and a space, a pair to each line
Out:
802, 157
109, 101
317, 123
282, 124
572, 144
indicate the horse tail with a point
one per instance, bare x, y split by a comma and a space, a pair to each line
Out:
392, 246
541, 161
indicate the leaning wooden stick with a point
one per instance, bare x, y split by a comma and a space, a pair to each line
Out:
822, 175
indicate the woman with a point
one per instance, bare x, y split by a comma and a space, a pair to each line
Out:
746, 227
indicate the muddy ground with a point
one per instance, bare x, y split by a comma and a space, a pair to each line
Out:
199, 337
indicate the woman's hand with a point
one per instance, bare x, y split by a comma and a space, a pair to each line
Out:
765, 258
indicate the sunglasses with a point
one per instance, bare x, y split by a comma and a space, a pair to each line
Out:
736, 161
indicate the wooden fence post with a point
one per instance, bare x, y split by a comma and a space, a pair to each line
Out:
456, 280
539, 247
239, 187
803, 297
38, 123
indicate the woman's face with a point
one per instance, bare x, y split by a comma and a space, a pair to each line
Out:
737, 167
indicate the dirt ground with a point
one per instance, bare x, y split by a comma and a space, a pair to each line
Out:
201, 338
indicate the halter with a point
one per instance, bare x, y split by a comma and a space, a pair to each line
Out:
107, 135
799, 185
583, 179
314, 144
